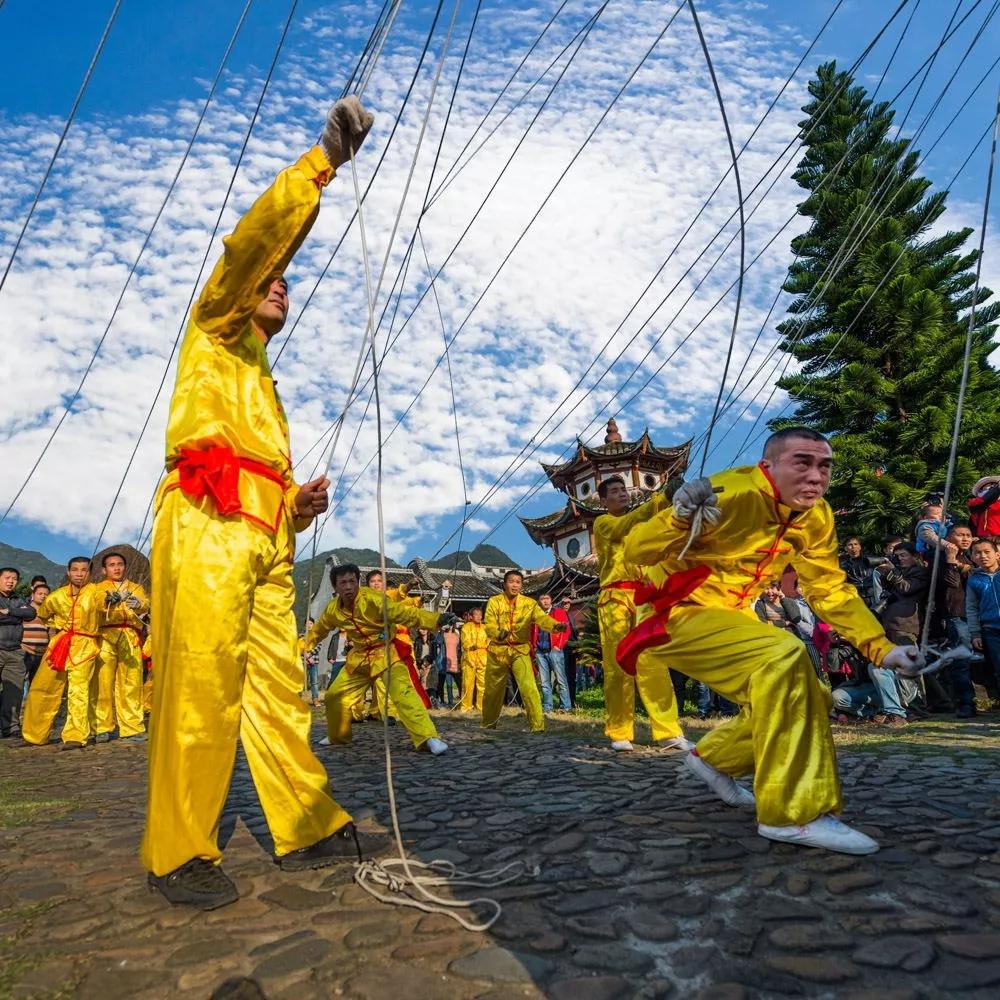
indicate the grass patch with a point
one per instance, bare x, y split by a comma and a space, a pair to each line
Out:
21, 802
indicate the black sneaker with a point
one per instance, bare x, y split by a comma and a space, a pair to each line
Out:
345, 845
72, 745
196, 883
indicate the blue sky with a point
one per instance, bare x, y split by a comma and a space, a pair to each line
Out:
548, 313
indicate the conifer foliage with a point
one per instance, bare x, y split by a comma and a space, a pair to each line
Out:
883, 292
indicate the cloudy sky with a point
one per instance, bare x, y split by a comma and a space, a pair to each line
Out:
542, 294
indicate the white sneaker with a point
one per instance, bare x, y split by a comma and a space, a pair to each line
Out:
826, 832
622, 746
436, 746
723, 785
325, 742
675, 743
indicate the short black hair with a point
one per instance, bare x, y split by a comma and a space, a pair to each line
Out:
960, 523
512, 572
79, 559
908, 547
111, 555
347, 569
371, 574
985, 541
39, 579
11, 569
778, 438
602, 486
889, 539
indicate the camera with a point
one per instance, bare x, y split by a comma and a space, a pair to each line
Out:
934, 498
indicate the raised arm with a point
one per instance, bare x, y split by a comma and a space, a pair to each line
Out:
411, 617
614, 529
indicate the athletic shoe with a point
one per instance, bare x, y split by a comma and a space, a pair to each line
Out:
197, 883
325, 742
134, 738
435, 746
72, 745
826, 832
722, 784
675, 743
102, 738
622, 746
345, 845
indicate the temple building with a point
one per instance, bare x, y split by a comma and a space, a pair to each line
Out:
644, 466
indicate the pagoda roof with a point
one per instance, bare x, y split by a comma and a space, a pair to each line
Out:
574, 510
616, 450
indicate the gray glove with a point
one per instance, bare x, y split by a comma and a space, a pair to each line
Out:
697, 494
132, 602
347, 124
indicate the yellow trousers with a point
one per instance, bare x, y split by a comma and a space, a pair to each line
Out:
343, 693
119, 683
227, 669
473, 677
652, 677
783, 734
147, 694
363, 709
78, 682
501, 661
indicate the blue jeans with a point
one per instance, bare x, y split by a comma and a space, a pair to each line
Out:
312, 670
705, 695
878, 694
960, 670
552, 667
452, 687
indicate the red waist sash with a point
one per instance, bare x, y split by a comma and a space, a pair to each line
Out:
59, 651
622, 585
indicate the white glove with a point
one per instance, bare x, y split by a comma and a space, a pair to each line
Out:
905, 660
347, 124
697, 494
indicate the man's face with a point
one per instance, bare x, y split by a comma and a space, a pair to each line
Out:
905, 559
346, 586
377, 583
545, 601
271, 311
985, 556
616, 499
512, 586
477, 616
853, 548
39, 594
801, 471
8, 581
114, 569
78, 573
772, 592
567, 606
961, 537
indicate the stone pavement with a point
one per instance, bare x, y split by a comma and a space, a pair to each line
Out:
646, 887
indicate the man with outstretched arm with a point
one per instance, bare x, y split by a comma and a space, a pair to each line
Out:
227, 662
754, 521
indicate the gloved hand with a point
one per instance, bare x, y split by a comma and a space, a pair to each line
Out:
114, 597
905, 660
502, 634
448, 620
691, 496
132, 602
346, 127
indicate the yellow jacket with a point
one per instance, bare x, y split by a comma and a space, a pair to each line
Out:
225, 396
609, 547
474, 642
80, 613
755, 539
362, 627
120, 617
516, 618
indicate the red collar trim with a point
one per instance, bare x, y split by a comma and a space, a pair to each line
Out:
775, 494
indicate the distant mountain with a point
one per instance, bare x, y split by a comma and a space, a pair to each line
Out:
32, 564
481, 555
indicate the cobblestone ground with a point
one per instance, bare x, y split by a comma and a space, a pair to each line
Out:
646, 887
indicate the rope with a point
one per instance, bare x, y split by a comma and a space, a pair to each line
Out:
963, 385
371, 874
62, 137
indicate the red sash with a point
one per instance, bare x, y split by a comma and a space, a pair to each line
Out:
405, 652
59, 651
653, 631
622, 585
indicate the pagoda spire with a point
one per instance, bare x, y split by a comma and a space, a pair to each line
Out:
612, 436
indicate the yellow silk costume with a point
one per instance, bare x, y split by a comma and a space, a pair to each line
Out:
223, 626
362, 626
362, 708
474, 646
783, 733
616, 617
512, 654
119, 670
147, 684
79, 614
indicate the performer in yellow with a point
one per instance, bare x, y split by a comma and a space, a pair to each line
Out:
223, 626
357, 611
474, 646
508, 620
616, 617
754, 522
147, 684
69, 662
119, 670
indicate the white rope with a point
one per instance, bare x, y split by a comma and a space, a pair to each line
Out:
411, 885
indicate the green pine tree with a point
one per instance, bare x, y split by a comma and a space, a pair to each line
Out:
882, 377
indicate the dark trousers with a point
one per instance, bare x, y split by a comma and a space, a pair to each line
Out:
12, 671
570, 663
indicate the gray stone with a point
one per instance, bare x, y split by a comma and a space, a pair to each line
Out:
815, 969
612, 958
648, 924
589, 988
612, 863
565, 844
971, 945
851, 881
501, 965
299, 957
295, 897
911, 954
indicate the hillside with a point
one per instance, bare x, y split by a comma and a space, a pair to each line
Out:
31, 564
481, 555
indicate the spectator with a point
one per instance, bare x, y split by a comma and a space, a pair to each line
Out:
36, 580
547, 648
876, 698
982, 602
933, 525
311, 658
451, 676
889, 544
776, 609
569, 650
954, 573
14, 612
36, 633
857, 568
426, 653
984, 507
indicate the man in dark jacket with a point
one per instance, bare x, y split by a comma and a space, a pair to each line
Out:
953, 577
857, 569
14, 612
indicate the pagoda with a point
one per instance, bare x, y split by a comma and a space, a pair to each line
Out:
644, 466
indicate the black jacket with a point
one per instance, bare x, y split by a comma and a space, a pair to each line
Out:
18, 611
906, 598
